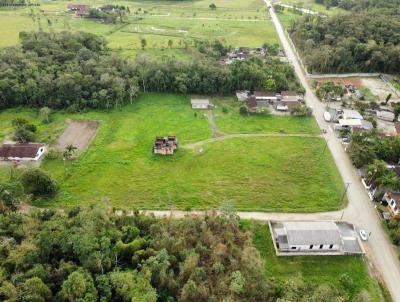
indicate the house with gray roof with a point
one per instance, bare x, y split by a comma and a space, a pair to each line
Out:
314, 238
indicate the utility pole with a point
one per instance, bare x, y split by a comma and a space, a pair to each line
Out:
345, 191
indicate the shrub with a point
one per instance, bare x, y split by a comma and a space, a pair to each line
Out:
243, 110
38, 182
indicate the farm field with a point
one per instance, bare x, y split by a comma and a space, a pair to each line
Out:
182, 22
229, 121
316, 269
293, 174
316, 7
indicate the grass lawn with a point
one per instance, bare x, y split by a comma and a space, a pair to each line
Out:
316, 7
292, 174
317, 269
229, 120
183, 22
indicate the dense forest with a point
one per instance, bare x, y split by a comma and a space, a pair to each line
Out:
77, 70
365, 40
96, 255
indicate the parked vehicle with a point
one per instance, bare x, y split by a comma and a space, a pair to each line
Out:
363, 235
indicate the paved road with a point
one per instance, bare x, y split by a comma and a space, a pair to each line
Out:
360, 210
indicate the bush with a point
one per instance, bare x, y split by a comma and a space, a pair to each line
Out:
22, 135
38, 183
224, 109
243, 110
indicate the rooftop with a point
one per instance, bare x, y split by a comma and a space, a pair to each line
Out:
20, 150
312, 232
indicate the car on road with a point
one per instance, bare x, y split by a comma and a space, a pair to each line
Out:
363, 235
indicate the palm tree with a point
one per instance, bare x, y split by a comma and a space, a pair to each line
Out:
69, 151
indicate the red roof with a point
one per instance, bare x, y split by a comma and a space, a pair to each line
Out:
20, 150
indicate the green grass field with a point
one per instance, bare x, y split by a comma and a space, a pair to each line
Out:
316, 269
183, 22
229, 121
293, 174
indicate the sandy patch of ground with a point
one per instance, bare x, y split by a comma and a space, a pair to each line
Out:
378, 88
78, 133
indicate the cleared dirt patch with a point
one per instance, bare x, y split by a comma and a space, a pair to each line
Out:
345, 81
78, 133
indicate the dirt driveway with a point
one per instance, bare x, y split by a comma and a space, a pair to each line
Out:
78, 133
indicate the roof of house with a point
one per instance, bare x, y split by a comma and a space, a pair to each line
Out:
288, 93
349, 122
78, 6
251, 102
312, 232
291, 103
200, 102
395, 196
264, 94
20, 150
242, 95
352, 114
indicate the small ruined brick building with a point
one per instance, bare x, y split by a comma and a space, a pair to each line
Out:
165, 145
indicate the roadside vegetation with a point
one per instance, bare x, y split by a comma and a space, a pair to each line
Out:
97, 255
77, 71
339, 43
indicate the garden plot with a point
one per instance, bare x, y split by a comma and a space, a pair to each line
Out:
78, 133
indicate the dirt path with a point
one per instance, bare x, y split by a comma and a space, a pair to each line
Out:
238, 135
214, 128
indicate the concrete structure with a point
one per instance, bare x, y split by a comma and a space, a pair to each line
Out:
22, 152
242, 95
200, 104
314, 238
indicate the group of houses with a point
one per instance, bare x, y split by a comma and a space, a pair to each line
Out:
354, 121
285, 101
81, 10
244, 53
390, 199
165, 145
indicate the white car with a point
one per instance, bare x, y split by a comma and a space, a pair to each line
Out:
363, 235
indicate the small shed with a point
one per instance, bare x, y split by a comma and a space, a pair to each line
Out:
242, 95
200, 104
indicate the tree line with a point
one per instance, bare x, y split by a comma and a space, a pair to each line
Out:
365, 40
91, 255
75, 71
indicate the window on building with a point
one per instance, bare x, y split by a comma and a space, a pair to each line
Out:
293, 247
311, 246
321, 246
331, 246
395, 209
392, 203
